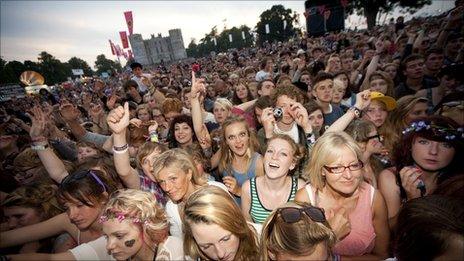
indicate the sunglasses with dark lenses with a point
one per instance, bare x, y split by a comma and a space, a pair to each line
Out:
81, 175
377, 136
292, 214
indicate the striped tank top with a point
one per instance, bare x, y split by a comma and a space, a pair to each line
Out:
257, 211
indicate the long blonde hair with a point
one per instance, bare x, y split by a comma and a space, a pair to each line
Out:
178, 158
298, 238
327, 149
213, 205
225, 162
142, 208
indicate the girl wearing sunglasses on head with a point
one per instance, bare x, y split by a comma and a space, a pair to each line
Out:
354, 209
83, 194
215, 229
297, 231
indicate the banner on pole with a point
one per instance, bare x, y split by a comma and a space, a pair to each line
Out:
267, 29
124, 40
285, 24
215, 41
230, 37
129, 21
243, 35
129, 53
113, 50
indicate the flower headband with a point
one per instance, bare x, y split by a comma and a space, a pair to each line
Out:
448, 133
121, 216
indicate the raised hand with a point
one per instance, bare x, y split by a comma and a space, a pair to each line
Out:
363, 99
232, 185
118, 119
69, 112
39, 122
95, 111
198, 87
268, 121
300, 115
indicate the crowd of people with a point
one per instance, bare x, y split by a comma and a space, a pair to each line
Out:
345, 146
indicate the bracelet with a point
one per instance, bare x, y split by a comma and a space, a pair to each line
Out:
121, 148
120, 151
39, 147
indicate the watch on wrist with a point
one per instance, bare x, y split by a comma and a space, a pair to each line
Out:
357, 112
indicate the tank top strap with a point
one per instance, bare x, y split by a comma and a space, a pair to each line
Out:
251, 172
372, 195
252, 188
294, 189
78, 237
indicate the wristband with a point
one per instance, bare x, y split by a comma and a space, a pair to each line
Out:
121, 149
154, 137
39, 147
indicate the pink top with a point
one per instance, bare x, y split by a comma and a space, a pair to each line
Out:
361, 239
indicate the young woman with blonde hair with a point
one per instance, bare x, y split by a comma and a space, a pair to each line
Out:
260, 195
297, 231
215, 229
178, 176
355, 210
136, 227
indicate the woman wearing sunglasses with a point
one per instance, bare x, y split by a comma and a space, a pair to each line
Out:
83, 194
215, 229
297, 231
260, 195
355, 210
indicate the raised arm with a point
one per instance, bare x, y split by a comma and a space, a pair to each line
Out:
198, 87
362, 101
51, 162
372, 67
118, 120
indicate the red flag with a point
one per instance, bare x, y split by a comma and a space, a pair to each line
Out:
124, 40
129, 21
129, 52
113, 51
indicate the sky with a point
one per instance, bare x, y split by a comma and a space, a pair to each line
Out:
83, 28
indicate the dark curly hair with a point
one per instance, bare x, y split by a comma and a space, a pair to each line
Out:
183, 118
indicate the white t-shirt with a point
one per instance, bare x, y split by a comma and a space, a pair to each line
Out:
172, 211
171, 249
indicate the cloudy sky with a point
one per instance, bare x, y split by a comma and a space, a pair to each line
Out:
82, 28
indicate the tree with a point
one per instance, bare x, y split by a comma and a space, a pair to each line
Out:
102, 64
52, 69
11, 71
192, 48
370, 8
77, 63
275, 18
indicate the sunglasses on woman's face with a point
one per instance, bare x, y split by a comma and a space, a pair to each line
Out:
293, 214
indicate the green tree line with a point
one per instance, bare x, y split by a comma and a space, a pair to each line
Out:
52, 69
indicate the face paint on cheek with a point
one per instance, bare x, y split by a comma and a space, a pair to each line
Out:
129, 243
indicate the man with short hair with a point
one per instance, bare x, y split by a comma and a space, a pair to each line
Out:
434, 58
138, 77
413, 69
265, 87
323, 92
